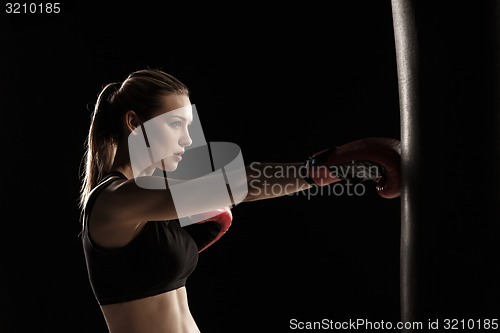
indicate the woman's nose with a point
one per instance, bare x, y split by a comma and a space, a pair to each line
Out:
185, 140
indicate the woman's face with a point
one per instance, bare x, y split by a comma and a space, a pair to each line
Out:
168, 131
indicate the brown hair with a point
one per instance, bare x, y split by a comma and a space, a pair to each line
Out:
141, 92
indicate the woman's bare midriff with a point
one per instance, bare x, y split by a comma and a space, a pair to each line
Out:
164, 313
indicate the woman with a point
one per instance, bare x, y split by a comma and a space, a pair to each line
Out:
138, 255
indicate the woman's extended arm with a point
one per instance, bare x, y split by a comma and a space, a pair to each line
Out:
150, 198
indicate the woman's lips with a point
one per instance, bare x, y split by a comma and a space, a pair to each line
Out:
178, 156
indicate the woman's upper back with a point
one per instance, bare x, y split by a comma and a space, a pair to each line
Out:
153, 257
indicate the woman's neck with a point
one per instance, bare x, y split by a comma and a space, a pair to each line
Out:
122, 163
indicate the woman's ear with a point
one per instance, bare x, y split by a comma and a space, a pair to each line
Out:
131, 120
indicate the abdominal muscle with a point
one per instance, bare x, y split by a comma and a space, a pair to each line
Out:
164, 313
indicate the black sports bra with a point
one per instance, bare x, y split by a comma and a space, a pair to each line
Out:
159, 259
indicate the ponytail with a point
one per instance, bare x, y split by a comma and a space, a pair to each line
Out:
101, 142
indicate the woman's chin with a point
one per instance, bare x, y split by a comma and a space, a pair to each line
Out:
170, 167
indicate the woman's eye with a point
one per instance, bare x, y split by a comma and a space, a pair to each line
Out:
175, 124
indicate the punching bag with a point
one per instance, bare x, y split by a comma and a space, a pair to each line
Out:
447, 56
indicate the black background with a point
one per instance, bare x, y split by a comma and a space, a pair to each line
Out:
282, 83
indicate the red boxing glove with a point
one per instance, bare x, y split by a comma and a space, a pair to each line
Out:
377, 159
210, 227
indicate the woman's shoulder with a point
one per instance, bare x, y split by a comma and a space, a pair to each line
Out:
120, 201
101, 186
104, 185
